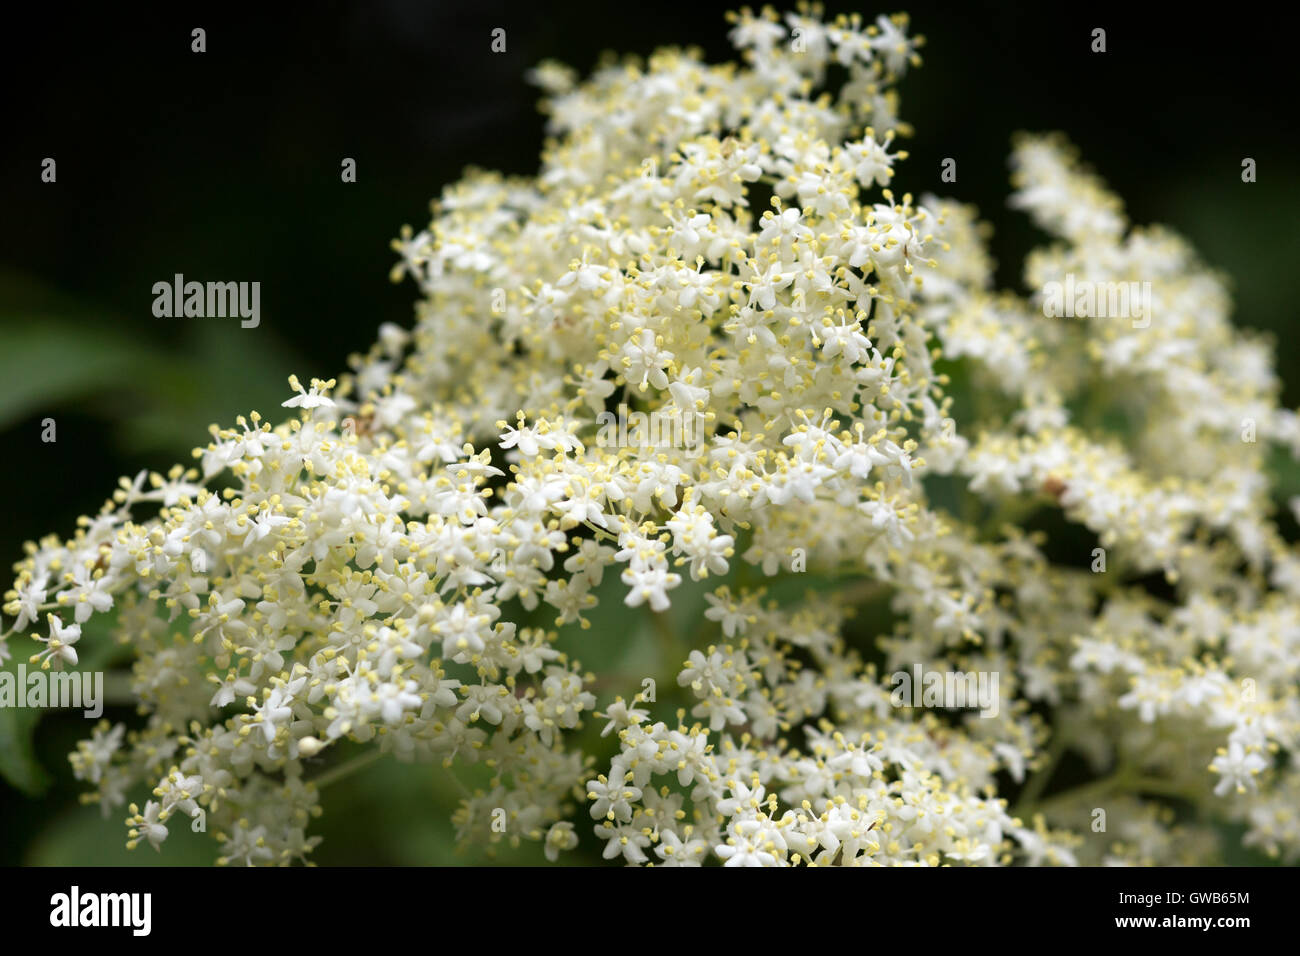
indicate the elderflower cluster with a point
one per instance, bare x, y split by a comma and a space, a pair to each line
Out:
718, 247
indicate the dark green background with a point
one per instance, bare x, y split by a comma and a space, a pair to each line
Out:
225, 166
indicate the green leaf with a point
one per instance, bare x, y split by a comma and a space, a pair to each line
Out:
18, 763
56, 351
83, 837
1285, 473
46, 362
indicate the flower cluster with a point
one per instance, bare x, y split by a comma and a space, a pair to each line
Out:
720, 245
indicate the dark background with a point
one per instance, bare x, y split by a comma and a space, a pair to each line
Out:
225, 166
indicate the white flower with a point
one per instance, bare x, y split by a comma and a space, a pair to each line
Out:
645, 360
1237, 769
59, 645
559, 838
148, 825
309, 399
612, 797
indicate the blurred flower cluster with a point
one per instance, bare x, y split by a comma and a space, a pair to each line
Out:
719, 246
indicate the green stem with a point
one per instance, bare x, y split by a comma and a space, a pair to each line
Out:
1034, 788
346, 769
1027, 811
601, 532
862, 592
668, 642
1124, 779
